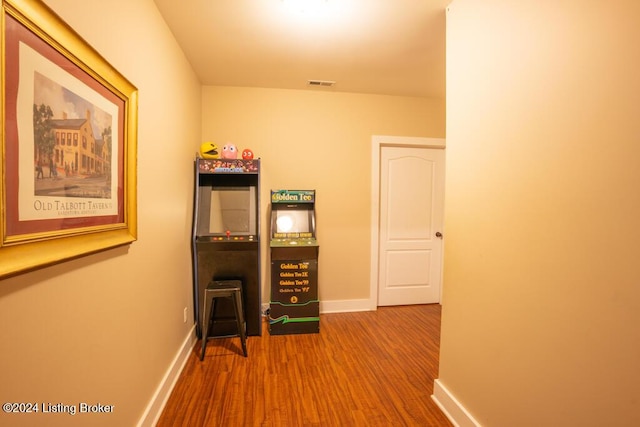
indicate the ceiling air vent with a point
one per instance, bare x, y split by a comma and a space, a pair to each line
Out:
324, 83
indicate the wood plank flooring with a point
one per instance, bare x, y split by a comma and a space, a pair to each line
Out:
371, 368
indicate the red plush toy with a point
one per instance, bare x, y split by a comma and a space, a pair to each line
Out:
247, 154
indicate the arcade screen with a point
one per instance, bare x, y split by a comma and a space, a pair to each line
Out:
291, 221
228, 208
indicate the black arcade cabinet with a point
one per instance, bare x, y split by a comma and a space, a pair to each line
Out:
226, 239
295, 306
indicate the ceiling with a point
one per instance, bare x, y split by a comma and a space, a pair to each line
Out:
390, 47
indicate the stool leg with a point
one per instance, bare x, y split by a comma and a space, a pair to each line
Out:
214, 307
237, 304
206, 316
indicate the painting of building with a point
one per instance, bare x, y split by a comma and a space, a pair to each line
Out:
77, 151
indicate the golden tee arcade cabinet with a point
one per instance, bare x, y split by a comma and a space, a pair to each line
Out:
226, 239
295, 307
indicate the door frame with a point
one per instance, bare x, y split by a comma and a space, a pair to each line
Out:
377, 142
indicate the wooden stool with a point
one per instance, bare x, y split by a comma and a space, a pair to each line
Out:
223, 289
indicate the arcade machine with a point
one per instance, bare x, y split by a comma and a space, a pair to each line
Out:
226, 239
295, 307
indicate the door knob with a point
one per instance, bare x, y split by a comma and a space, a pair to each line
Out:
439, 235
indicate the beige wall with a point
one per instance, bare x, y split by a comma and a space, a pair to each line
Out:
319, 140
105, 328
541, 283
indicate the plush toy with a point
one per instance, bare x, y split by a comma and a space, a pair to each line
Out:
229, 151
209, 150
247, 154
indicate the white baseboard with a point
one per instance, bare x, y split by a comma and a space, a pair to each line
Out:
451, 407
343, 306
160, 397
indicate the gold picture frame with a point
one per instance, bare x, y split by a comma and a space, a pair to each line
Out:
69, 144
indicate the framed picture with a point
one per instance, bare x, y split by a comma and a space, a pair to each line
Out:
68, 163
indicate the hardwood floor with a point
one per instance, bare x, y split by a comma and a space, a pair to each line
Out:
371, 368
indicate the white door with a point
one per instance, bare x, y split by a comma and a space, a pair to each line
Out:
411, 210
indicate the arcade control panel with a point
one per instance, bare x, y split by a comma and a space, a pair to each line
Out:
293, 239
228, 237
